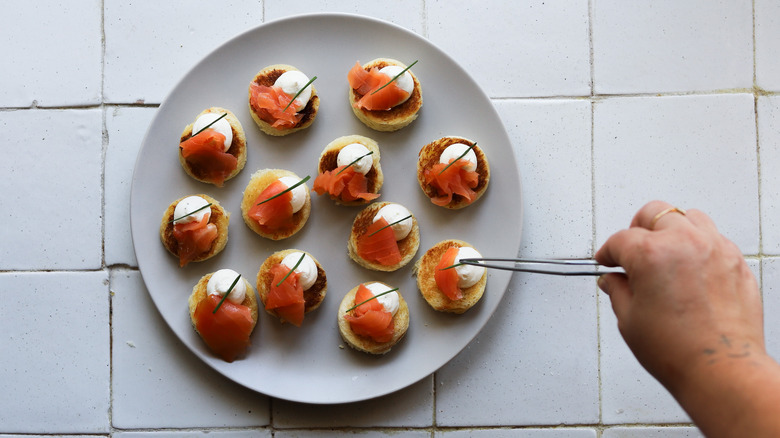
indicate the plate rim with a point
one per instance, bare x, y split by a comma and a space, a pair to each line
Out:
247, 34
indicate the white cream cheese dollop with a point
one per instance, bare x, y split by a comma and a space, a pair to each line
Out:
299, 193
404, 82
307, 269
396, 212
455, 150
352, 152
220, 282
183, 212
390, 301
291, 83
222, 126
468, 275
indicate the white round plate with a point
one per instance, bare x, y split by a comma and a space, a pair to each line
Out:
311, 363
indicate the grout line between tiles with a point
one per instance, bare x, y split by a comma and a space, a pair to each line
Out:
593, 207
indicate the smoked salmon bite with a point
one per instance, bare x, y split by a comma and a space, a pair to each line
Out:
276, 203
282, 100
349, 171
384, 237
373, 317
447, 285
194, 228
453, 172
384, 94
213, 148
291, 283
223, 311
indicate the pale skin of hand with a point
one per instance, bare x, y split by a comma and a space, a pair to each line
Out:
690, 310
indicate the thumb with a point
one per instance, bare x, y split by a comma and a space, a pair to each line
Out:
616, 287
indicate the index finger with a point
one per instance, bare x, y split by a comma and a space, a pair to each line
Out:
620, 247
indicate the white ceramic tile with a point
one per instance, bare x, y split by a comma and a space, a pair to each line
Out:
771, 293
652, 432
516, 48
51, 53
51, 187
125, 128
628, 393
253, 433
691, 151
405, 13
769, 152
552, 145
148, 49
157, 382
767, 17
677, 46
55, 352
534, 363
409, 407
517, 433
352, 433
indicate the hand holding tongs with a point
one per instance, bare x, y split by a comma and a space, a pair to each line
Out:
527, 265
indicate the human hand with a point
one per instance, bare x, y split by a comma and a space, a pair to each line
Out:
688, 299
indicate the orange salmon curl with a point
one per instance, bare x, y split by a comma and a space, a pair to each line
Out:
205, 152
370, 319
366, 83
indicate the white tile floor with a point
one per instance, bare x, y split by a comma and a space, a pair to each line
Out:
608, 105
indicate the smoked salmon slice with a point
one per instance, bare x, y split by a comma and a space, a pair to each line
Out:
270, 102
275, 213
366, 83
227, 331
194, 238
205, 152
287, 298
378, 244
455, 180
447, 279
370, 319
345, 184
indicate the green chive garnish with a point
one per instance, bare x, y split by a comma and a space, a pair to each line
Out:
354, 161
226, 294
390, 225
291, 270
286, 190
209, 125
190, 213
452, 266
461, 156
364, 302
395, 77
298, 93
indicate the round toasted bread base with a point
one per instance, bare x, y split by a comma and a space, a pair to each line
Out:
395, 118
237, 147
259, 181
429, 156
425, 268
366, 344
328, 161
313, 295
408, 246
267, 77
219, 217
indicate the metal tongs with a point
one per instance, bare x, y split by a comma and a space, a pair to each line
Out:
530, 265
